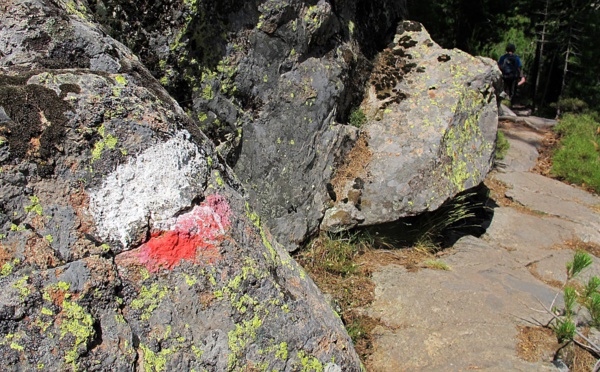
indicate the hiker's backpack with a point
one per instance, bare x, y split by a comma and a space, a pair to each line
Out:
510, 67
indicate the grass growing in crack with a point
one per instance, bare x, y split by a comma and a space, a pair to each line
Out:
432, 231
502, 146
436, 264
335, 263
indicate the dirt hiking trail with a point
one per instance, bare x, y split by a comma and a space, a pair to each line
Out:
475, 315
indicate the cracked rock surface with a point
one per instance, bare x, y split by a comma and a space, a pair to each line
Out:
126, 243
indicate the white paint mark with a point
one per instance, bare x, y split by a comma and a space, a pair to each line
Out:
156, 185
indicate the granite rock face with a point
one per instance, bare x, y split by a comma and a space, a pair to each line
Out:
430, 133
269, 81
126, 242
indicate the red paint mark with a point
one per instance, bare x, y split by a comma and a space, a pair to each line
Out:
195, 233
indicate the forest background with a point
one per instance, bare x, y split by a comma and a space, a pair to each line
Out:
557, 40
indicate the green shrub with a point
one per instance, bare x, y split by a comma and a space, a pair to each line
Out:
574, 105
357, 118
502, 146
577, 160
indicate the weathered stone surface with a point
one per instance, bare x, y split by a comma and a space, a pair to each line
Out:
55, 35
126, 242
466, 320
431, 128
269, 82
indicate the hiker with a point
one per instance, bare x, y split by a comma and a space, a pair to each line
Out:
512, 71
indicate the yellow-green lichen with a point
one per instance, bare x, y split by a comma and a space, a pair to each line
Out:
309, 363
22, 286
191, 280
35, 205
79, 323
197, 351
218, 179
241, 336
121, 79
149, 299
77, 9
155, 361
6, 270
108, 141
255, 218
47, 311
14, 227
282, 351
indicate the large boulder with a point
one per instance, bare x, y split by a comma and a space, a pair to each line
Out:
430, 131
126, 243
269, 81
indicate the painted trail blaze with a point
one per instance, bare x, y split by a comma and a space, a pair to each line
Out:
197, 232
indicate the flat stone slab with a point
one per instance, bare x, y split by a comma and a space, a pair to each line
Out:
513, 229
524, 144
555, 198
461, 319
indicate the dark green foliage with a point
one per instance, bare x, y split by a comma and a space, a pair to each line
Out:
357, 118
573, 105
578, 158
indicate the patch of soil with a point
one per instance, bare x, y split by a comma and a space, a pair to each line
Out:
536, 344
580, 245
354, 166
498, 192
544, 161
577, 358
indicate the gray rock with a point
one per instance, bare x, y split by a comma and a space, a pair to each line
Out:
270, 94
466, 320
50, 37
431, 129
126, 242
554, 198
76, 275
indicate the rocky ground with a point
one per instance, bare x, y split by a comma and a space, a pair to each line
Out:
477, 315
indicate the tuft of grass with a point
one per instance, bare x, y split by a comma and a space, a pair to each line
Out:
357, 118
502, 146
336, 263
437, 265
336, 253
577, 159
